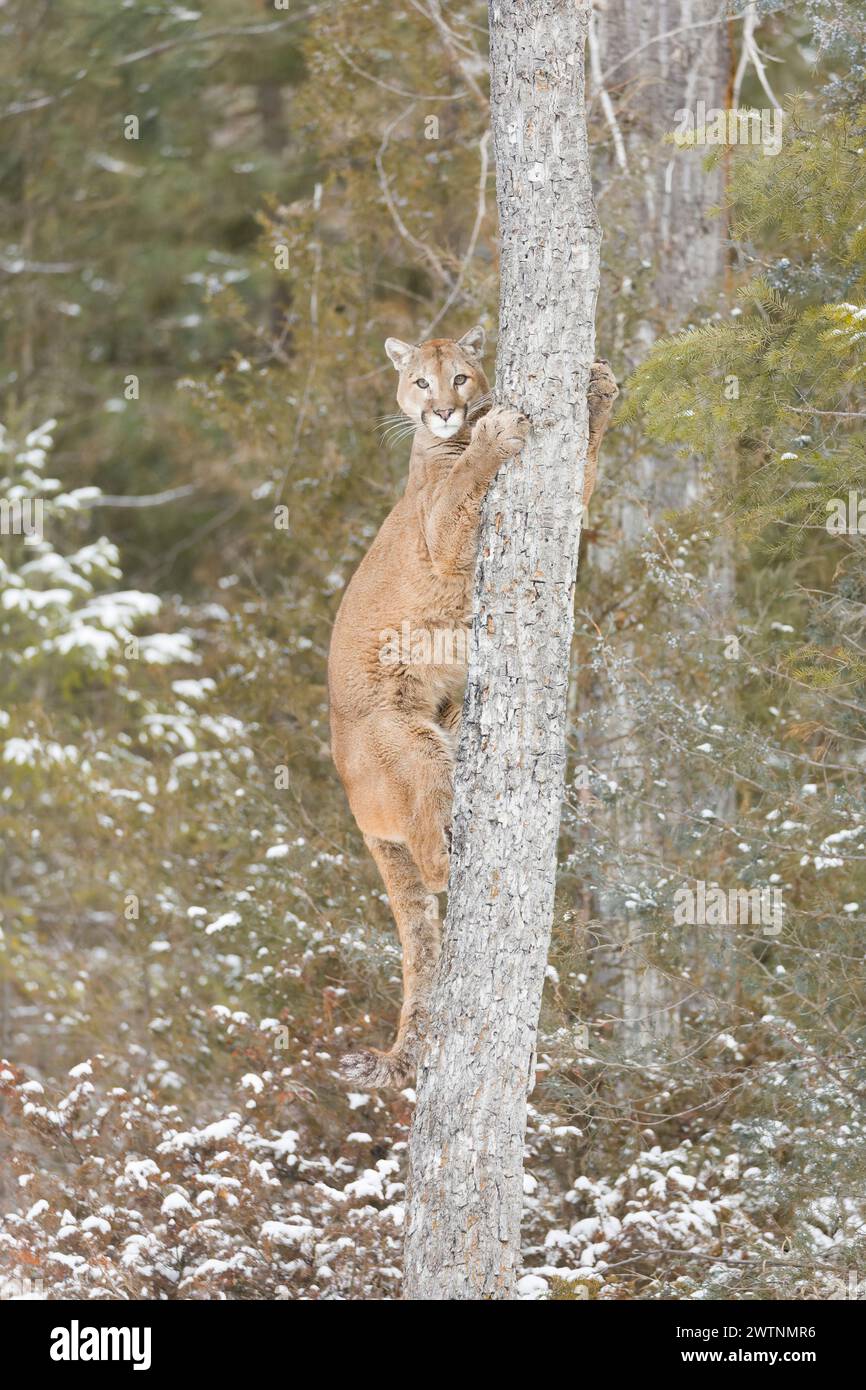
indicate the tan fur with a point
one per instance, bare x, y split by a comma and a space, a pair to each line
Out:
395, 712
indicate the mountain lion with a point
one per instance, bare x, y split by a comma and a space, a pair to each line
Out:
398, 658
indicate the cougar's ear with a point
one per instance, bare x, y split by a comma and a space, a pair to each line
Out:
399, 352
473, 341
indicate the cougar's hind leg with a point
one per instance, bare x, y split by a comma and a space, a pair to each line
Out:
428, 836
413, 759
416, 914
428, 831
449, 716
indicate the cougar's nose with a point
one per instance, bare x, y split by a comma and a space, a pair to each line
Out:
445, 412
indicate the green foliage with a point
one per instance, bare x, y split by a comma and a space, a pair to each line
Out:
774, 398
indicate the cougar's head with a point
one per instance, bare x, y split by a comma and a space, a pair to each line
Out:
442, 382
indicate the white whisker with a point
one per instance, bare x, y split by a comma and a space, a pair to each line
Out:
400, 431
397, 437
479, 404
391, 425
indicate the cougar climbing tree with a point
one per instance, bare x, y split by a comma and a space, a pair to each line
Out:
466, 1147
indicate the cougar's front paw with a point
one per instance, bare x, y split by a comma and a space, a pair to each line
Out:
503, 430
603, 390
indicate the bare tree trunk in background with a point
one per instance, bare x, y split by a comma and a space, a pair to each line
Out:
466, 1147
657, 60
654, 61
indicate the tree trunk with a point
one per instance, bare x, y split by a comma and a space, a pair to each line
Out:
466, 1147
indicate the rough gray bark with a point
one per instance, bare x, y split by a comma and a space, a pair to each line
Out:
466, 1148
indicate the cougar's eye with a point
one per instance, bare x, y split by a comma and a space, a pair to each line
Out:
422, 383
460, 380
